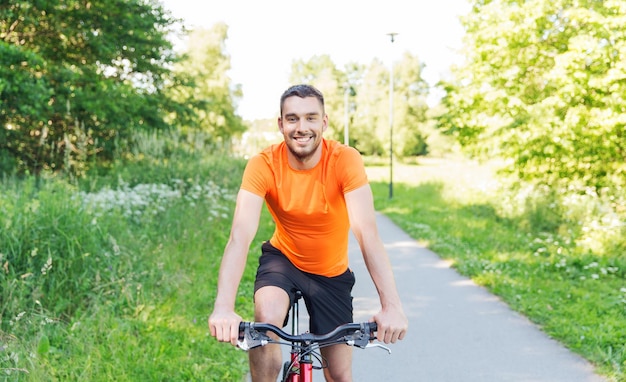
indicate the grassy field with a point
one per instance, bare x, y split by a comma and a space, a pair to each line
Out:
528, 251
113, 278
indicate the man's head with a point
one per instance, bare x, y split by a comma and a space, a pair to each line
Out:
301, 91
302, 122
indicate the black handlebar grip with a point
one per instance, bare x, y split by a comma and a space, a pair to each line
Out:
373, 326
242, 330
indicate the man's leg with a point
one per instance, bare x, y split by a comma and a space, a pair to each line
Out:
339, 363
271, 305
330, 305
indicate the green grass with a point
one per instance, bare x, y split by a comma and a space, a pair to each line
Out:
132, 276
120, 288
575, 296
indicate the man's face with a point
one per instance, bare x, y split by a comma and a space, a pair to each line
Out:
302, 124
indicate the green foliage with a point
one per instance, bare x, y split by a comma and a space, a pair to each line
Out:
414, 145
207, 87
78, 78
410, 107
23, 89
91, 273
165, 158
543, 86
371, 122
52, 254
24, 95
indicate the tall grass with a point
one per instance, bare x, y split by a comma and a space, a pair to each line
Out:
546, 256
113, 278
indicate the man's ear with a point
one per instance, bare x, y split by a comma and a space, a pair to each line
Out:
325, 122
280, 124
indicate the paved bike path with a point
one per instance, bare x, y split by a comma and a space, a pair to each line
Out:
458, 331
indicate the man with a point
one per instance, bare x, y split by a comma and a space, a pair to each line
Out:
316, 190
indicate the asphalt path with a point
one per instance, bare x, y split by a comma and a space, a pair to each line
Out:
458, 331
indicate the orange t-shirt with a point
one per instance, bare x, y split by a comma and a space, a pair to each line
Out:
308, 206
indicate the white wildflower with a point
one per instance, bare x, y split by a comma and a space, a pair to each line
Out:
47, 266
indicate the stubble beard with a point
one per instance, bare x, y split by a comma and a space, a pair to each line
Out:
302, 154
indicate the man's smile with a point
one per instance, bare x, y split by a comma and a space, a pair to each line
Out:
303, 139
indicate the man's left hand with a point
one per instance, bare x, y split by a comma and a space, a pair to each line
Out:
392, 325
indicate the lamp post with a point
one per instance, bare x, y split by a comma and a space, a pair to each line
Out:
392, 35
346, 120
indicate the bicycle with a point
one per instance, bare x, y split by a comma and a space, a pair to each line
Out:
305, 347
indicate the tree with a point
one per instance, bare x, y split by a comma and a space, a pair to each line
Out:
372, 125
371, 122
25, 96
207, 87
410, 107
544, 85
88, 75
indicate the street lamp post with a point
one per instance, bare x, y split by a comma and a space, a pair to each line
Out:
393, 37
346, 119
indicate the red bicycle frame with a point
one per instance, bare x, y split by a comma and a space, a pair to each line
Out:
299, 368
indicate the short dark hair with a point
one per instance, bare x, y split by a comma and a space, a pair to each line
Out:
302, 91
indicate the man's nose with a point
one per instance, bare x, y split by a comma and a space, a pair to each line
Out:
300, 125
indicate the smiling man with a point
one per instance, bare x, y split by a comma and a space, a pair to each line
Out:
316, 190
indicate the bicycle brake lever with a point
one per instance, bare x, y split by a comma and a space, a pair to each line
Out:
359, 339
371, 345
243, 345
253, 339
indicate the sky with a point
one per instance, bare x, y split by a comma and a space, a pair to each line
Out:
266, 36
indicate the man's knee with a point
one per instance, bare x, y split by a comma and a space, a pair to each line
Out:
271, 305
339, 363
265, 363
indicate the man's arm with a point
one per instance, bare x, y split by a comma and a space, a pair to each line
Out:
391, 320
224, 322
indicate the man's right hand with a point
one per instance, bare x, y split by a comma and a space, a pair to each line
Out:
224, 326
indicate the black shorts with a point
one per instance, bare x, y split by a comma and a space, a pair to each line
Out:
328, 299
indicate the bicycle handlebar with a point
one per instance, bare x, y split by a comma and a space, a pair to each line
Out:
254, 334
